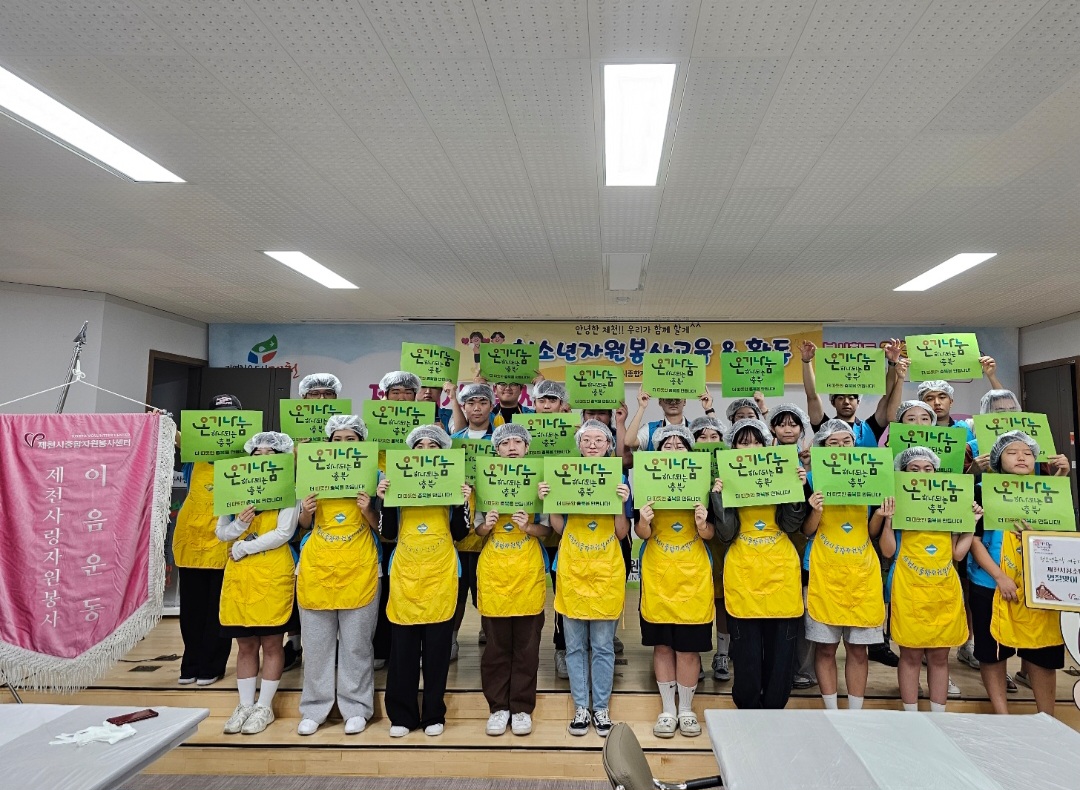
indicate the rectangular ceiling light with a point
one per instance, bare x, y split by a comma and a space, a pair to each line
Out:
943, 271
637, 102
24, 103
308, 267
624, 270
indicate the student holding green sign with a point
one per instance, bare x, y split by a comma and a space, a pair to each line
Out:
200, 561
337, 587
926, 602
423, 595
844, 597
938, 394
1003, 624
592, 591
257, 596
762, 584
511, 591
997, 401
677, 605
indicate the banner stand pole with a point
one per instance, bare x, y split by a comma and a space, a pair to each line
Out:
79, 341
14, 693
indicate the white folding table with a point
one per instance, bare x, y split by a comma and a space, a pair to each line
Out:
892, 750
27, 759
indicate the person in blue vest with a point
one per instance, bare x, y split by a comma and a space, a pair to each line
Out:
640, 437
939, 394
867, 432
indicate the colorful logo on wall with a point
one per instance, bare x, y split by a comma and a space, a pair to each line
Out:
263, 352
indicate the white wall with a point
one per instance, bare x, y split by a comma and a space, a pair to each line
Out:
1050, 340
38, 325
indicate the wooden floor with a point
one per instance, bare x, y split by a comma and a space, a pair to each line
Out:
147, 676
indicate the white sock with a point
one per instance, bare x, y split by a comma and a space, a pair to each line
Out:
722, 643
294, 640
667, 696
854, 703
267, 691
246, 687
911, 706
686, 698
830, 701
970, 644
937, 707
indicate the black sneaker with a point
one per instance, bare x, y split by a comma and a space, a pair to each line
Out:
601, 722
580, 724
293, 657
883, 654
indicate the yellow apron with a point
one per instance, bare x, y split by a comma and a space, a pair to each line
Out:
762, 577
258, 590
676, 580
845, 575
927, 603
339, 563
1014, 624
423, 568
194, 543
471, 542
592, 575
511, 574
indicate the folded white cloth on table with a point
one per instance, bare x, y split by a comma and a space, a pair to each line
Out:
106, 733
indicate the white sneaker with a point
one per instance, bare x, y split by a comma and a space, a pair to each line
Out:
453, 651
355, 725
207, 681
521, 724
721, 667
397, 731
434, 729
236, 721
379, 663
497, 722
560, 665
307, 727
580, 723
184, 681
954, 690
261, 717
966, 655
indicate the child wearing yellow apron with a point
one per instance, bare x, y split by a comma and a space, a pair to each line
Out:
337, 587
511, 590
1003, 624
475, 403
423, 594
200, 559
593, 590
927, 604
844, 597
709, 429
677, 606
257, 596
762, 584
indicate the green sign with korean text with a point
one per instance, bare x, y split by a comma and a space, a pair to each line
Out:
847, 370
988, 427
673, 375
306, 419
595, 386
474, 448
949, 443
509, 363
760, 475
433, 365
743, 374
852, 475
425, 477
508, 484
389, 422
552, 434
265, 482
671, 480
214, 434
933, 502
946, 356
333, 470
1042, 501
583, 485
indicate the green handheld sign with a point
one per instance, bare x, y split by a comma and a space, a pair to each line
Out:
847, 370
988, 427
425, 477
265, 482
595, 386
949, 443
670, 480
389, 422
1042, 501
214, 434
852, 475
945, 356
474, 448
933, 502
433, 365
760, 475
583, 485
509, 363
743, 374
306, 419
552, 434
508, 484
336, 469
673, 375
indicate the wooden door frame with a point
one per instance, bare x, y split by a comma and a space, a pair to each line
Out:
1075, 362
164, 356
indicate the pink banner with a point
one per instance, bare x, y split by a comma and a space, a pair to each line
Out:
83, 510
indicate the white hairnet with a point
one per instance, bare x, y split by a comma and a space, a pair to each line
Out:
475, 390
550, 389
510, 430
935, 385
1004, 441
997, 397
278, 442
912, 453
432, 432
798, 413
594, 425
351, 422
399, 378
757, 426
915, 404
742, 403
320, 381
830, 427
699, 424
667, 431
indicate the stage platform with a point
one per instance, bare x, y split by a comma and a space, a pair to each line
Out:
147, 677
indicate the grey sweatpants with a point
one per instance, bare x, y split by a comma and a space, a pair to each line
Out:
342, 637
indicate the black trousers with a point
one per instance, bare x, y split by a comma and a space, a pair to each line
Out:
206, 652
763, 651
408, 644
381, 639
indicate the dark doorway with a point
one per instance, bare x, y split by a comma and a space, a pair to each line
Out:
1050, 388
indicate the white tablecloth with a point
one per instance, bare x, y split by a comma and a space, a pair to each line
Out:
892, 750
28, 761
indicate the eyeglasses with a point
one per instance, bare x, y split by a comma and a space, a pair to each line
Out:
594, 442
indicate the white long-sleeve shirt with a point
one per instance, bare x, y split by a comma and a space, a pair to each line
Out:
229, 529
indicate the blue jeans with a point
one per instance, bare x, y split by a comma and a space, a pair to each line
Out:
600, 635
